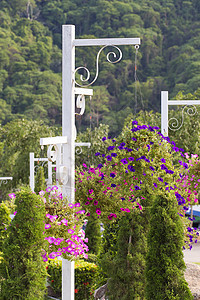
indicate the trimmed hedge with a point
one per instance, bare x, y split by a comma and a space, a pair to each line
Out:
84, 276
22, 267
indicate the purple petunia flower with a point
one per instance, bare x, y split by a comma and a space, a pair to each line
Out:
104, 138
97, 153
160, 179
185, 165
113, 185
113, 154
130, 168
137, 187
131, 158
110, 148
124, 161
170, 172
100, 166
109, 158
155, 184
151, 168
134, 139
135, 122
163, 167
120, 148
112, 175
163, 160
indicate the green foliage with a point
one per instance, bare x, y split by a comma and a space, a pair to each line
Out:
84, 278
54, 270
4, 223
17, 139
30, 58
22, 269
93, 234
97, 145
164, 264
40, 184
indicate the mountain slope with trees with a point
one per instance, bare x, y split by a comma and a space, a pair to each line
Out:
30, 59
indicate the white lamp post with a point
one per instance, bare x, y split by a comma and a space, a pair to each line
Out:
65, 157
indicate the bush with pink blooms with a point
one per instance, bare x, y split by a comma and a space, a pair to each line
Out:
63, 226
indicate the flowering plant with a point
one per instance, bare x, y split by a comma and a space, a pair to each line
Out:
136, 164
63, 226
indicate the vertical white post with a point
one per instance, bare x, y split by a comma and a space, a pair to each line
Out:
68, 129
32, 174
49, 182
164, 113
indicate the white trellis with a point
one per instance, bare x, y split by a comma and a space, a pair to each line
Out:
191, 111
165, 102
64, 147
34, 160
4, 180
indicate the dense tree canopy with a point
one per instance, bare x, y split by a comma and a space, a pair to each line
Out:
30, 56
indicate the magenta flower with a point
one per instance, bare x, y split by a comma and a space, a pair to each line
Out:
64, 221
98, 211
53, 218
12, 196
47, 226
42, 193
70, 231
112, 216
50, 239
58, 241
95, 202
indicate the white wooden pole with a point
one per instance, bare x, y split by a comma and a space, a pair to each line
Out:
32, 177
68, 129
164, 113
49, 182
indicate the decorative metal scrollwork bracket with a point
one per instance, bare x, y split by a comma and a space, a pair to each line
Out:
173, 123
4, 180
97, 65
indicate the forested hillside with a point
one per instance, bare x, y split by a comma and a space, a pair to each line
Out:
30, 55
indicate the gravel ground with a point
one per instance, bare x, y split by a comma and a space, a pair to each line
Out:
192, 276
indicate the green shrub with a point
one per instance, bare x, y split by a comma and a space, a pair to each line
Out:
40, 183
4, 223
164, 263
54, 270
93, 233
84, 276
22, 268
